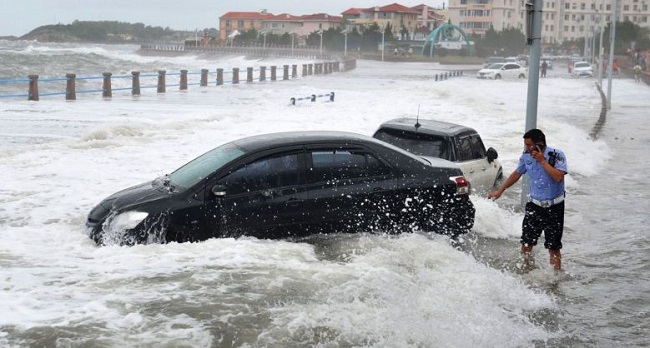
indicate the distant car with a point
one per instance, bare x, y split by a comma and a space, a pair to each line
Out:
572, 60
459, 144
503, 71
582, 69
291, 184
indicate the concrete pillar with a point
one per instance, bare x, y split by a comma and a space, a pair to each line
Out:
135, 83
249, 74
107, 89
219, 77
32, 93
183, 85
294, 71
273, 72
310, 69
285, 74
262, 73
235, 76
70, 88
161, 81
204, 77
304, 70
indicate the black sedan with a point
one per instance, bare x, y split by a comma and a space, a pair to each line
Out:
287, 185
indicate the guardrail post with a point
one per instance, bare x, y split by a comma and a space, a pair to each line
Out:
273, 72
249, 74
107, 89
310, 69
183, 86
33, 88
235, 75
204, 77
219, 77
304, 70
337, 66
70, 90
161, 81
294, 71
285, 73
262, 73
135, 83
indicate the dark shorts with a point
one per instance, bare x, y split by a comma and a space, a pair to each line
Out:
548, 220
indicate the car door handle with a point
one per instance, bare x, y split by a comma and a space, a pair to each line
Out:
294, 202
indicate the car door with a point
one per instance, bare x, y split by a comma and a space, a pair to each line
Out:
472, 160
260, 198
348, 188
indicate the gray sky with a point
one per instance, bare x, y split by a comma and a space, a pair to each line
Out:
22, 16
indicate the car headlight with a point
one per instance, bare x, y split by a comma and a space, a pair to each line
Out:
128, 220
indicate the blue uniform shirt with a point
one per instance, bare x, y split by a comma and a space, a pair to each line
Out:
542, 186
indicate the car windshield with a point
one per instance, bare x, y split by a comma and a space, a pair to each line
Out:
199, 168
416, 143
495, 66
582, 65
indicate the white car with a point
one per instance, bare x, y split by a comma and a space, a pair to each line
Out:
582, 69
437, 141
503, 71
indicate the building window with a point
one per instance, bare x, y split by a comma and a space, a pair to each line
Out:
567, 6
240, 24
608, 8
626, 18
626, 7
566, 17
228, 24
566, 28
583, 6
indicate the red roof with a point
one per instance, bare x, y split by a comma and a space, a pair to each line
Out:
286, 17
322, 17
353, 11
396, 8
248, 15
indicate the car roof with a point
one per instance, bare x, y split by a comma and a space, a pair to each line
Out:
270, 140
432, 127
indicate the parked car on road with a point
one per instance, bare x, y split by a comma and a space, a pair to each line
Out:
291, 184
459, 144
498, 71
582, 69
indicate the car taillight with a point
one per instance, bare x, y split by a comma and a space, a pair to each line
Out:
462, 185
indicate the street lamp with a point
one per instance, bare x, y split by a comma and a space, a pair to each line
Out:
383, 33
320, 32
264, 34
345, 46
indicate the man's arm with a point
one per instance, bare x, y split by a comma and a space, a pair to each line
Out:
511, 180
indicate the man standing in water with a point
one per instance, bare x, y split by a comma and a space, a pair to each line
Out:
546, 168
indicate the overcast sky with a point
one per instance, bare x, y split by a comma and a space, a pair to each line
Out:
22, 16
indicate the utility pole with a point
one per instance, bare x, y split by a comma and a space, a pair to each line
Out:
533, 39
612, 38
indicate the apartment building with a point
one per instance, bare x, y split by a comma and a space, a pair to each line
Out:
562, 20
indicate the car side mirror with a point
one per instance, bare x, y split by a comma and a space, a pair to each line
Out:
219, 190
492, 155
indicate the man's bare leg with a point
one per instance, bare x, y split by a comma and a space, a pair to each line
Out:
555, 259
527, 254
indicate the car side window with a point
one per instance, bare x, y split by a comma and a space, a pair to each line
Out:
263, 174
478, 149
332, 165
465, 149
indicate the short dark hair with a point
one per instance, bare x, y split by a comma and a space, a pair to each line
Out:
536, 135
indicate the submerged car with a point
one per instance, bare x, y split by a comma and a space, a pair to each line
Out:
285, 185
498, 71
453, 142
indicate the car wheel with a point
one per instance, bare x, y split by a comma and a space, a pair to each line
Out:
522, 76
497, 77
